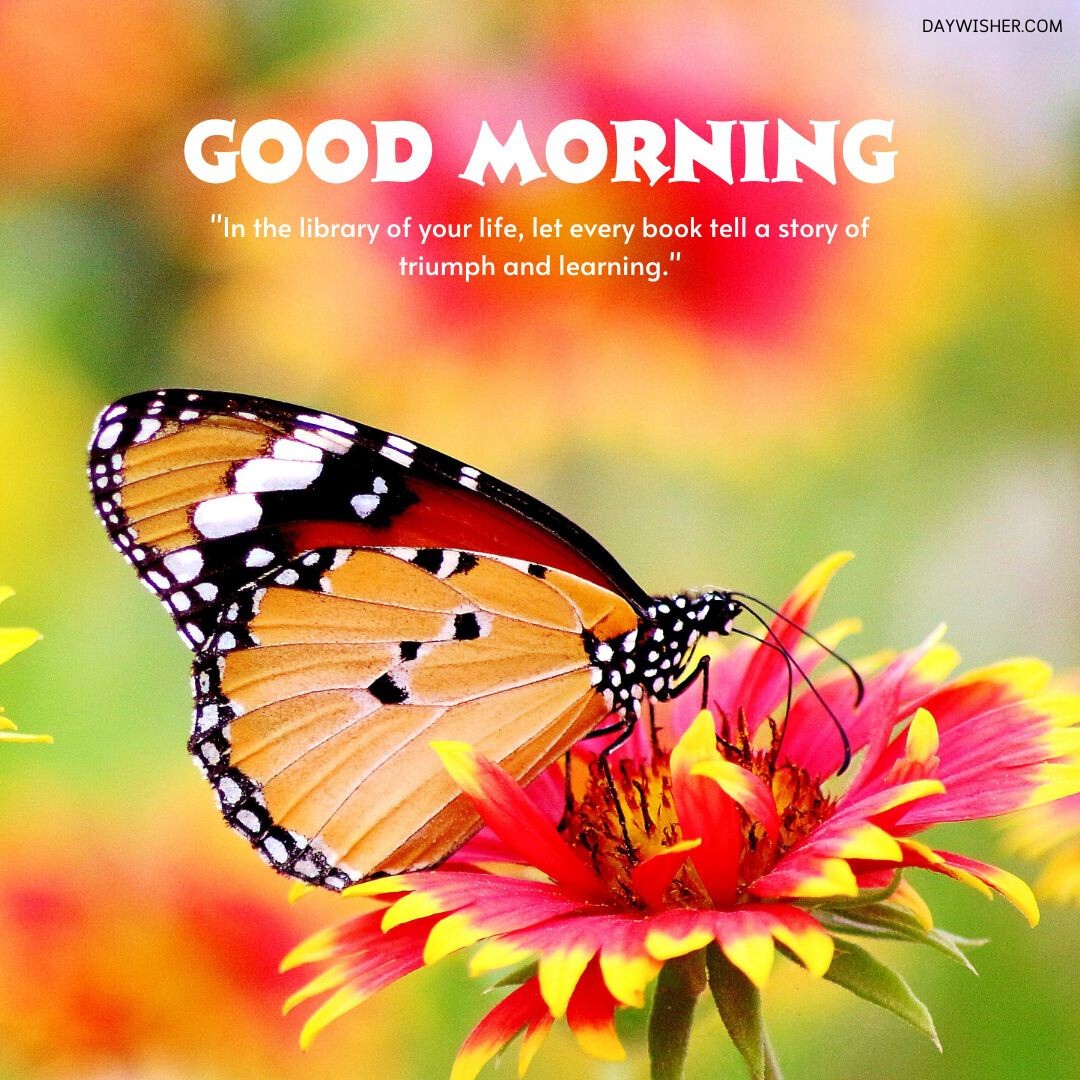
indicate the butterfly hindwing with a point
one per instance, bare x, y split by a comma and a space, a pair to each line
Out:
324, 681
203, 491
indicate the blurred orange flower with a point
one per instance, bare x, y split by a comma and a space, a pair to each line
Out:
142, 943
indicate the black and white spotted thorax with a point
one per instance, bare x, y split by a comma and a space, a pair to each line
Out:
652, 659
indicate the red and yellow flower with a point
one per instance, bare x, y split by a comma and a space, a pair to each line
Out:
727, 834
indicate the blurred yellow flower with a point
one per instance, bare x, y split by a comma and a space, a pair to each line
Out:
13, 640
1051, 832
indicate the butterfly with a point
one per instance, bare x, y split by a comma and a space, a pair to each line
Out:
351, 596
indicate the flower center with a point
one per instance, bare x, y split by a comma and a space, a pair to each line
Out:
621, 822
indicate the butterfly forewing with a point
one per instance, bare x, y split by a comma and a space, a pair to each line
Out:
202, 491
327, 678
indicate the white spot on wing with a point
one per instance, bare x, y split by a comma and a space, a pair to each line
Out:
324, 440
275, 849
229, 790
207, 718
365, 504
396, 455
259, 557
378, 485
450, 560
184, 565
275, 474
146, 429
109, 435
333, 422
291, 450
400, 443
227, 515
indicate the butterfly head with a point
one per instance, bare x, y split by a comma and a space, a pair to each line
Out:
715, 611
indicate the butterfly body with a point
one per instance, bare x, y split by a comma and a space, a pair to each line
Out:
350, 597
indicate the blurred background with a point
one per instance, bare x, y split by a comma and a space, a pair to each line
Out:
912, 396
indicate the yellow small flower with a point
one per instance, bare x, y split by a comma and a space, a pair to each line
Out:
12, 641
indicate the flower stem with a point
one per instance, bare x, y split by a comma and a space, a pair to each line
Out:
678, 988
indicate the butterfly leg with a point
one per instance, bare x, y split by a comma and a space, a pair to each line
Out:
627, 729
654, 737
700, 668
568, 792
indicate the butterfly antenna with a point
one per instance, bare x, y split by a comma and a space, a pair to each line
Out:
786, 658
790, 679
778, 644
860, 686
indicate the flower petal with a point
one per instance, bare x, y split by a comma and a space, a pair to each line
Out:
764, 684
979, 875
922, 742
535, 1034
378, 960
744, 934
748, 790
652, 876
906, 896
705, 812
522, 1008
627, 968
591, 1017
1004, 759
560, 969
14, 640
1014, 889
807, 878
515, 819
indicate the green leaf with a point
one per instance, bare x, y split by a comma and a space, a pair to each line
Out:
856, 970
678, 988
738, 1001
518, 976
887, 921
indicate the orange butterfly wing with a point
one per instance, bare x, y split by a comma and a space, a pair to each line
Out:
325, 682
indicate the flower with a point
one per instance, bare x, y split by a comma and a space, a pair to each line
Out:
137, 939
1052, 829
725, 834
13, 641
